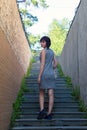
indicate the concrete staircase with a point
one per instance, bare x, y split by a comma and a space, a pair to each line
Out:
66, 114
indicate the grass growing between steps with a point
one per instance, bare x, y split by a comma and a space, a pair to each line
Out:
75, 92
16, 105
60, 70
76, 95
68, 79
29, 68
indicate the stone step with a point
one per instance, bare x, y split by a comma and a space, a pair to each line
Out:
61, 104
34, 92
53, 122
56, 102
50, 128
30, 85
64, 103
35, 80
66, 114
55, 115
37, 70
58, 94
56, 90
57, 85
66, 95
61, 99
55, 109
35, 77
32, 106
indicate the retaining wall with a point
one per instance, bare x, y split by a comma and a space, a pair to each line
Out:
15, 57
74, 55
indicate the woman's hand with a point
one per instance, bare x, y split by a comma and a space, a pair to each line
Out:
38, 80
54, 63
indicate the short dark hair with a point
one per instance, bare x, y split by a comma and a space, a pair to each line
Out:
47, 40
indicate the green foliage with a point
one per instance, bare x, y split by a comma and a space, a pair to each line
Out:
34, 2
27, 22
26, 16
16, 105
43, 4
76, 96
68, 81
57, 33
33, 39
37, 3
23, 11
29, 68
82, 107
33, 60
65, 24
60, 70
76, 93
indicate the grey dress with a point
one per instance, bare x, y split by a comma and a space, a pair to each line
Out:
48, 77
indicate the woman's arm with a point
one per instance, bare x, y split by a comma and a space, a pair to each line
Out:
42, 63
54, 62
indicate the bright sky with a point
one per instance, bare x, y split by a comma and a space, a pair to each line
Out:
58, 9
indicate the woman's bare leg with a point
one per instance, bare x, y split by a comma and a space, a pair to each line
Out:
41, 99
51, 100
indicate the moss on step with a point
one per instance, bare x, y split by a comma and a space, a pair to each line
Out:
60, 70
16, 105
76, 91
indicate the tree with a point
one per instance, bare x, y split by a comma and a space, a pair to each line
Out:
27, 18
33, 39
57, 32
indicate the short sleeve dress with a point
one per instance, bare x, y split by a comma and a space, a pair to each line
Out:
48, 76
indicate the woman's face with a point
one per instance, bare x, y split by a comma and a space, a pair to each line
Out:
43, 44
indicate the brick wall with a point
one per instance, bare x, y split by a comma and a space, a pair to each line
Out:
12, 27
15, 57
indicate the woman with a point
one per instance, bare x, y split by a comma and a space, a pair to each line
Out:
46, 77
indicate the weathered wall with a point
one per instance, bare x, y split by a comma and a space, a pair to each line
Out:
74, 55
14, 58
11, 25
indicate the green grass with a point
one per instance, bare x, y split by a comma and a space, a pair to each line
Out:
68, 81
18, 101
82, 106
16, 105
60, 70
29, 68
75, 92
76, 95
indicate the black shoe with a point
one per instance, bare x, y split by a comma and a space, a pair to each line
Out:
49, 117
42, 115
